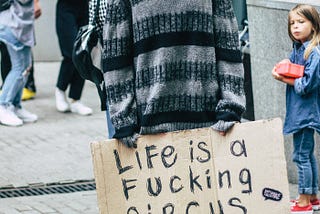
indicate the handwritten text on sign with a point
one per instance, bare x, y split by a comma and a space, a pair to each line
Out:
195, 171
199, 153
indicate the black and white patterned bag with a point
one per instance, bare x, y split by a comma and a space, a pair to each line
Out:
99, 19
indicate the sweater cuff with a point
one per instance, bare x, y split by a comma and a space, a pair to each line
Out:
223, 126
130, 141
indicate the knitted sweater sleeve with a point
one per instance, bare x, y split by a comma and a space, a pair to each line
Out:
118, 69
229, 63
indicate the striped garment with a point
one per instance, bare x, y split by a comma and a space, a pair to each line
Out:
171, 65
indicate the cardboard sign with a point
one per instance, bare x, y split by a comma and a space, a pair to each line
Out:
195, 171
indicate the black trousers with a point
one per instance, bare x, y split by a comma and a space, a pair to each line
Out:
70, 16
6, 67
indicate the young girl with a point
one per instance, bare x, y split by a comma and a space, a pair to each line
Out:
303, 102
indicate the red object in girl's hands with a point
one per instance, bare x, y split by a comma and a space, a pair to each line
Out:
289, 69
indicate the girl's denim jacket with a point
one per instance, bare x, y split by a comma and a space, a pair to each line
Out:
303, 99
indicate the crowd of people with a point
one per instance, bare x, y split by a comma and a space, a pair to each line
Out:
172, 68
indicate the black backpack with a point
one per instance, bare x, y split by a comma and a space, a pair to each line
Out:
5, 4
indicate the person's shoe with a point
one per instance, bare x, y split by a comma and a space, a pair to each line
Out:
296, 209
315, 203
8, 117
27, 94
61, 101
79, 108
25, 116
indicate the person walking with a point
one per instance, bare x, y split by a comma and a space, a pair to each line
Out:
70, 16
17, 32
172, 65
303, 102
29, 90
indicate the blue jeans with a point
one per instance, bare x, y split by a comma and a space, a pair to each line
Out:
17, 77
303, 156
110, 127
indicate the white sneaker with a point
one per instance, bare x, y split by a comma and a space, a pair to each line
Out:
25, 116
8, 117
61, 101
79, 108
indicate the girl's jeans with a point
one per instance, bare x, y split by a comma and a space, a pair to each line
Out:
303, 156
17, 77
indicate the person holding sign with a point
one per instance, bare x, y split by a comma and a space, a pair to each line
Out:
172, 65
303, 102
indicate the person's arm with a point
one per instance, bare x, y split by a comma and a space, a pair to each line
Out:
229, 65
119, 73
311, 77
281, 78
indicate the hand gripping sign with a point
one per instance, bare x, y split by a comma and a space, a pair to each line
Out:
195, 171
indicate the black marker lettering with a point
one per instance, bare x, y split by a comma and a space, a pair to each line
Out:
202, 146
127, 188
149, 155
165, 155
158, 188
192, 203
227, 172
193, 181
245, 178
220, 207
231, 203
172, 188
138, 159
169, 205
208, 179
118, 163
133, 209
243, 150
191, 151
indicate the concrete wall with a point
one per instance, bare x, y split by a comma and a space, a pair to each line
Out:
47, 48
270, 43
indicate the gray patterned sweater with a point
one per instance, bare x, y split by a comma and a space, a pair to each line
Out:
171, 65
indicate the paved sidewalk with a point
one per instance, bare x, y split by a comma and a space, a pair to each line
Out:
54, 149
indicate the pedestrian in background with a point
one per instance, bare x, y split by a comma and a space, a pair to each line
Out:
172, 65
70, 16
29, 90
303, 102
17, 32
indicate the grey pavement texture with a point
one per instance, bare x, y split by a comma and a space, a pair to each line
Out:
54, 149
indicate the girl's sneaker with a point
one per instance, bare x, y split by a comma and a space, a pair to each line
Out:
296, 209
315, 204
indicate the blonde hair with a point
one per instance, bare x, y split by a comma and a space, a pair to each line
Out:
311, 14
